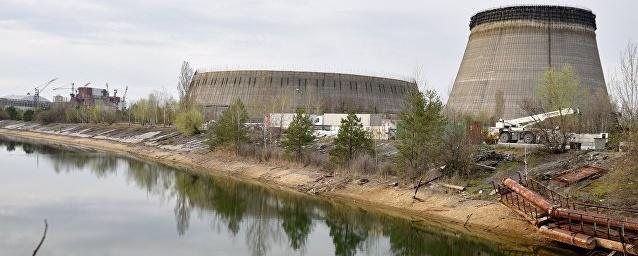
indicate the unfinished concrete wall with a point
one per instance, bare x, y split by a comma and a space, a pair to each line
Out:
284, 91
509, 49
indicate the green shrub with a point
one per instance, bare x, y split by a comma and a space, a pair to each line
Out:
3, 114
351, 140
13, 113
28, 115
55, 114
189, 121
299, 134
420, 133
229, 128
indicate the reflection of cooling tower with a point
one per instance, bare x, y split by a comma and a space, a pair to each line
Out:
510, 48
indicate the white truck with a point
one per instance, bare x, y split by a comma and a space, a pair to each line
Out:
517, 129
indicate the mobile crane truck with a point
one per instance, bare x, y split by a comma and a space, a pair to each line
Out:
517, 129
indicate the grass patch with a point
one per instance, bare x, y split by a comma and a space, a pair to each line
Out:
618, 187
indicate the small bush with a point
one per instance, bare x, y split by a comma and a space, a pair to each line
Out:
247, 150
3, 114
317, 159
13, 113
260, 153
362, 164
387, 169
188, 122
458, 151
229, 129
56, 114
110, 116
28, 115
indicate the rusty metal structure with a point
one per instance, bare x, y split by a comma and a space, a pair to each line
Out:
90, 96
510, 48
562, 219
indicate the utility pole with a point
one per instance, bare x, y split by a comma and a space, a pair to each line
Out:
237, 132
525, 147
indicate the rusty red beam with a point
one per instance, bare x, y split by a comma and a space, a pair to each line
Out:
539, 201
563, 213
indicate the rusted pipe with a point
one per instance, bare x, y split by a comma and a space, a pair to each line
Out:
578, 215
536, 199
566, 213
615, 245
577, 239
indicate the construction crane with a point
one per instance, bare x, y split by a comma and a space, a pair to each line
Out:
38, 90
124, 97
72, 88
517, 129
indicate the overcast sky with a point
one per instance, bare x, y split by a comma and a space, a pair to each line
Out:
142, 43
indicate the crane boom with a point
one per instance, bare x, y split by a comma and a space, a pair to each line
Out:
37, 90
528, 120
44, 86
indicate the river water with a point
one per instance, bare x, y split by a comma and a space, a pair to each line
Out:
104, 204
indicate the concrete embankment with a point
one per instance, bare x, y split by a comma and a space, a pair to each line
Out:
478, 218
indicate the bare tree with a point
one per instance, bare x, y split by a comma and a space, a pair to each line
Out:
596, 112
184, 83
279, 104
625, 88
418, 77
558, 91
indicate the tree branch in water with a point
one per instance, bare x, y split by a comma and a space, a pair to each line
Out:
44, 235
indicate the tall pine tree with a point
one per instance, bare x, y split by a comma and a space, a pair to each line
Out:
351, 140
420, 132
299, 134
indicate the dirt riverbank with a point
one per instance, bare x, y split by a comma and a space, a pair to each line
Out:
487, 219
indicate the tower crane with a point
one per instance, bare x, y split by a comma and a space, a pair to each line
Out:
38, 89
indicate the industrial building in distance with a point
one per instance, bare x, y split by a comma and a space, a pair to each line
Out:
90, 96
265, 92
24, 102
510, 48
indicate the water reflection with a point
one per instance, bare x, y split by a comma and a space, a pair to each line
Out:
267, 218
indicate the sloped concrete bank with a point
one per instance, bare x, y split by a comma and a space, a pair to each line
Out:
477, 218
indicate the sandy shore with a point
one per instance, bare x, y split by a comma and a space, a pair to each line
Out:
489, 220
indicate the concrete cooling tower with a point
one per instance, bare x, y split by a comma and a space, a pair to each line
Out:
320, 92
509, 49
